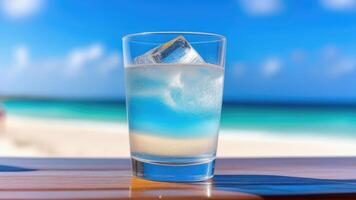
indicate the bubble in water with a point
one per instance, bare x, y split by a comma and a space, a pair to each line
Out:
195, 90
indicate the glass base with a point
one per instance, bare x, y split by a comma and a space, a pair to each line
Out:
173, 173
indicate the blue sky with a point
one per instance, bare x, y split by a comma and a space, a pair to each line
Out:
277, 49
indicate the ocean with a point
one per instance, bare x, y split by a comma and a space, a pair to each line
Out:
276, 118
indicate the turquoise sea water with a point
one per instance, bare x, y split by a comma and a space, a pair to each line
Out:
333, 120
100, 111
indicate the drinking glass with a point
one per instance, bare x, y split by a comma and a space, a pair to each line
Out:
174, 87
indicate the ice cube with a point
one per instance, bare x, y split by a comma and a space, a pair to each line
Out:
177, 50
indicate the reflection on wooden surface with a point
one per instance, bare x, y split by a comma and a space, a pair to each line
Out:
140, 188
266, 178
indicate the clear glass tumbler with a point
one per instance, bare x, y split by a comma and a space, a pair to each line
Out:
174, 88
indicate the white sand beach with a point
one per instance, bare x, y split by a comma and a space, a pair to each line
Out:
23, 136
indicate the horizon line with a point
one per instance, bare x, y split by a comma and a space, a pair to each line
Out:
238, 102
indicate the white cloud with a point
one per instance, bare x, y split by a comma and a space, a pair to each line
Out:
336, 62
93, 55
342, 66
78, 58
20, 8
110, 62
338, 5
21, 57
329, 52
262, 7
271, 66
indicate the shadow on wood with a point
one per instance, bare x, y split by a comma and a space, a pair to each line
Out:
284, 186
7, 168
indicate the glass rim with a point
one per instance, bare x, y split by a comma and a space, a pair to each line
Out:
218, 37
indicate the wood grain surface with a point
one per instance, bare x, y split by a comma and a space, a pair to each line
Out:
265, 178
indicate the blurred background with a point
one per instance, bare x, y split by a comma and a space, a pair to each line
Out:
290, 74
